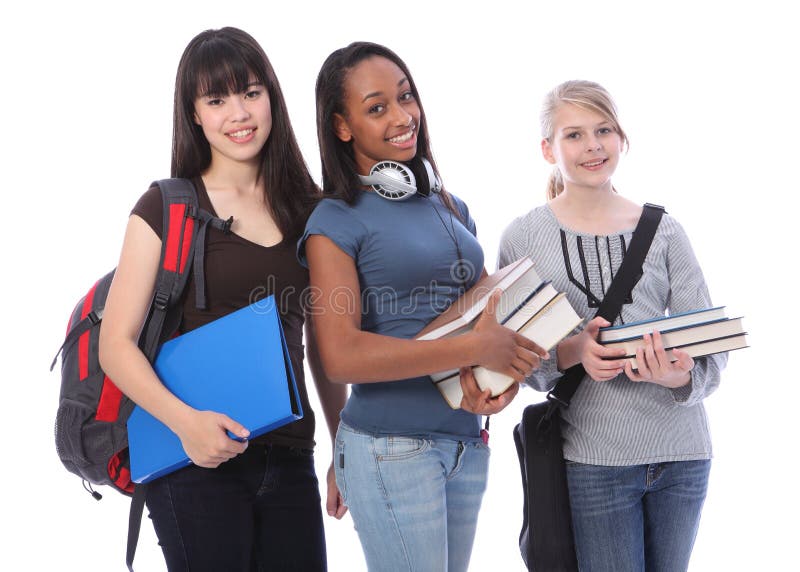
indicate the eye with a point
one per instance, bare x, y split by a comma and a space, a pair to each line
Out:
407, 96
377, 108
253, 93
214, 101
605, 130
572, 135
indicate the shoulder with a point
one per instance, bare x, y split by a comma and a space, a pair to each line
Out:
333, 211
671, 230
460, 204
525, 227
150, 207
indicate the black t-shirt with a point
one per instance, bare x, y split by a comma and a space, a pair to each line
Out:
237, 273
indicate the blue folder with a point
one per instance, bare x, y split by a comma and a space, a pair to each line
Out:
237, 365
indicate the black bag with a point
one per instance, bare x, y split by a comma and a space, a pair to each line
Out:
546, 540
539, 447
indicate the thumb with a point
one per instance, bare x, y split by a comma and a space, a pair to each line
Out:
491, 304
593, 327
234, 427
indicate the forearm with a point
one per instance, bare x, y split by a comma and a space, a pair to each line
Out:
126, 365
365, 357
568, 352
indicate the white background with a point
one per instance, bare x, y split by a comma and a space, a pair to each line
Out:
707, 93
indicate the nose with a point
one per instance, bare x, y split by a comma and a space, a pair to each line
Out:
593, 143
239, 111
402, 117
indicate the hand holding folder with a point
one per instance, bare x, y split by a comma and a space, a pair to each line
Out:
237, 365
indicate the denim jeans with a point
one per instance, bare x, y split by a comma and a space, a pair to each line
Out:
414, 501
636, 518
259, 511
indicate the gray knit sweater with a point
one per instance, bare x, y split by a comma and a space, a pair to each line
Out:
620, 422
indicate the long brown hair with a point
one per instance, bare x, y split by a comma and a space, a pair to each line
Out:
224, 61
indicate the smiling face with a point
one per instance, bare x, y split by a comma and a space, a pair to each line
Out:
381, 116
584, 145
236, 125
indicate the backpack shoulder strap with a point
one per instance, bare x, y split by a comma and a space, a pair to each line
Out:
180, 208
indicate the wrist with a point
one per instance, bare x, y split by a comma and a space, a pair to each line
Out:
470, 346
566, 355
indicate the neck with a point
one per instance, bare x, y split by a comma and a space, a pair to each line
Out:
228, 174
587, 199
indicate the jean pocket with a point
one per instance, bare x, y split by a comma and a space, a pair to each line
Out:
397, 448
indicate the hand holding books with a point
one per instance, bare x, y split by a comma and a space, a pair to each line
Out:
527, 305
655, 365
600, 363
516, 360
660, 350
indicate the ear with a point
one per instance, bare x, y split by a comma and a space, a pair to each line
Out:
197, 119
547, 152
341, 128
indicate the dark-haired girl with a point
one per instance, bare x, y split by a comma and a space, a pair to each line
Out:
411, 470
241, 505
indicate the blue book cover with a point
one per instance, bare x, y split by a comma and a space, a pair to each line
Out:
237, 365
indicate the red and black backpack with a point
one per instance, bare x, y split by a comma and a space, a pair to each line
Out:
91, 420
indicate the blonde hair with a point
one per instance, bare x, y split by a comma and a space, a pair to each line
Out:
585, 94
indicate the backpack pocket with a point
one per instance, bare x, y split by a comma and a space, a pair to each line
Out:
84, 444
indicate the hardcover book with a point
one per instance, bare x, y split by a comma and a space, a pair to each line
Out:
518, 281
544, 323
661, 323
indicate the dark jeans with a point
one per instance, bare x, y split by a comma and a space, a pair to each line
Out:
636, 518
260, 511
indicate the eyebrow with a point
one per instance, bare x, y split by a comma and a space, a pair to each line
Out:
246, 87
377, 93
582, 127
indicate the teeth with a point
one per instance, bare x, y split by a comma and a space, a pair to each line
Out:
594, 164
402, 138
242, 133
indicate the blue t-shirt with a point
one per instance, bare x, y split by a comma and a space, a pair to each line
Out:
407, 260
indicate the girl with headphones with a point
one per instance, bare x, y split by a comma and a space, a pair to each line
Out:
636, 442
411, 470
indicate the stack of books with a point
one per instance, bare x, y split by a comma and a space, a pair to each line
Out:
698, 333
528, 305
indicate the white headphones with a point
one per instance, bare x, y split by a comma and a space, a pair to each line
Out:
397, 181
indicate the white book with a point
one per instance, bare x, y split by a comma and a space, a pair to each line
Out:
552, 323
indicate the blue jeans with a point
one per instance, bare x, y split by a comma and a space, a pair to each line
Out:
414, 501
636, 518
260, 511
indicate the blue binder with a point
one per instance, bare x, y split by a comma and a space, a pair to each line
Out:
237, 365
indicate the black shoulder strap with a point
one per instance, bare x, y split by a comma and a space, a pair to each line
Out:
628, 274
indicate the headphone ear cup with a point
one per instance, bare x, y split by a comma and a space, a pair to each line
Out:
421, 175
427, 181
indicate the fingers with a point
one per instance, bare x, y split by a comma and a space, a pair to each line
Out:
683, 360
491, 305
234, 427
334, 503
594, 325
531, 346
481, 402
